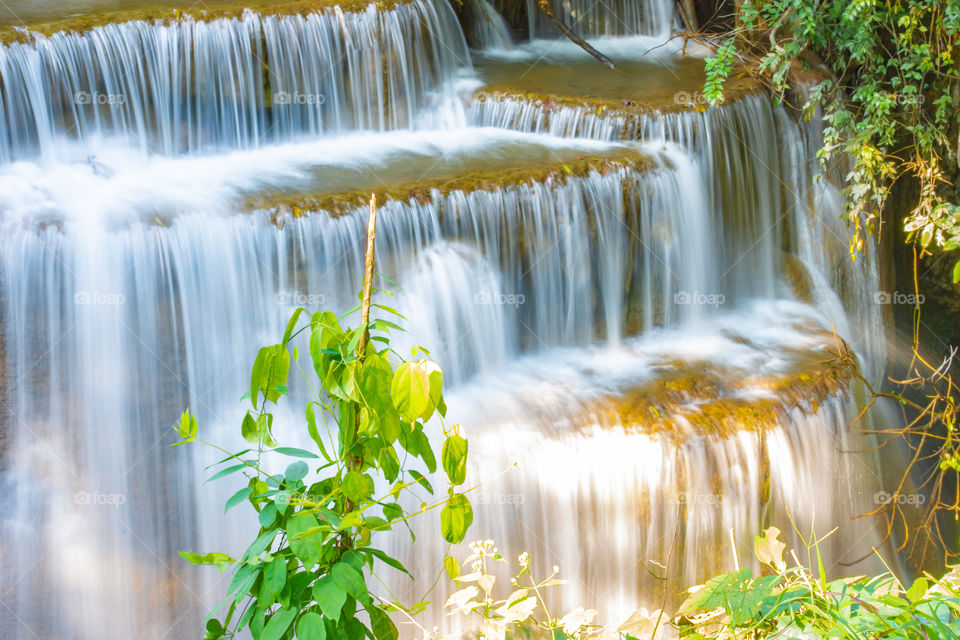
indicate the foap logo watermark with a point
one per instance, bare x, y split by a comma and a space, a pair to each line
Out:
98, 298
689, 99
501, 499
700, 499
882, 497
97, 499
697, 298
285, 98
896, 297
908, 99
297, 299
503, 299
97, 98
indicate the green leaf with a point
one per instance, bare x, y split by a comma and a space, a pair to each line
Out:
956, 273
383, 557
309, 548
274, 577
314, 433
310, 627
261, 544
410, 390
278, 624
296, 471
330, 596
356, 486
187, 427
454, 458
455, 518
421, 480
249, 429
350, 580
293, 452
452, 567
291, 325
237, 498
389, 463
268, 515
381, 625
220, 560
716, 592
228, 471
270, 370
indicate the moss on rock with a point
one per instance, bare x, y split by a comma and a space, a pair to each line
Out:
173, 11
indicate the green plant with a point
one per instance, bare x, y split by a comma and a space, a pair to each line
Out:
305, 573
889, 103
790, 602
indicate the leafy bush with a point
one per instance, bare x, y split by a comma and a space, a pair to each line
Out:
792, 603
889, 107
305, 573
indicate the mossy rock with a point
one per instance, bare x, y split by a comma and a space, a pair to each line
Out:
174, 11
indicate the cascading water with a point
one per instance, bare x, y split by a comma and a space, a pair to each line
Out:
611, 18
137, 283
198, 86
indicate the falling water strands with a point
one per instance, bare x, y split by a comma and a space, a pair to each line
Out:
589, 18
191, 86
526, 293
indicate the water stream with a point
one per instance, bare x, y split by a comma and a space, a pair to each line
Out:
137, 279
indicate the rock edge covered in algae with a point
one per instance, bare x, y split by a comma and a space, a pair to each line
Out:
168, 12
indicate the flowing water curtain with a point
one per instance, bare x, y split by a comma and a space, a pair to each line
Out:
192, 86
590, 18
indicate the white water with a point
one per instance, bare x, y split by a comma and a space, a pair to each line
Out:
134, 284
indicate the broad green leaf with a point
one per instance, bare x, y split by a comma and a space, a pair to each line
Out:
455, 518
716, 592
249, 429
291, 325
270, 370
956, 272
310, 627
356, 486
452, 567
237, 498
389, 463
381, 625
307, 548
383, 557
455, 459
274, 577
350, 580
422, 481
268, 515
330, 596
296, 471
278, 624
410, 390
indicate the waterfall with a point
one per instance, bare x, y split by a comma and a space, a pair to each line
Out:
608, 18
598, 270
487, 28
191, 86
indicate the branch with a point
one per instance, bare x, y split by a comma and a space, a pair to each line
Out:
368, 279
547, 10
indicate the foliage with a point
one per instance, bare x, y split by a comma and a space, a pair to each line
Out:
790, 602
889, 107
305, 573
